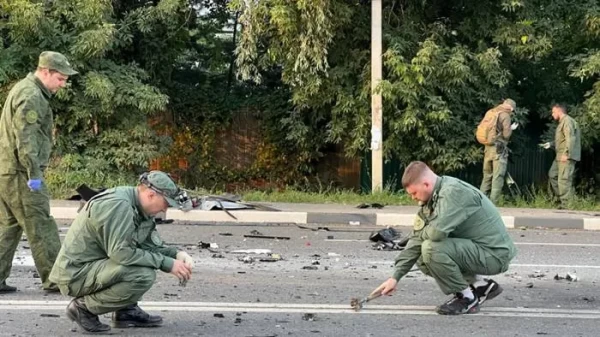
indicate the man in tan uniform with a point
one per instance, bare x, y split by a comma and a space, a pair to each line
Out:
495, 156
567, 143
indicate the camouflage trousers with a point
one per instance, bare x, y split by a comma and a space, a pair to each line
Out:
454, 262
561, 176
28, 211
494, 170
108, 286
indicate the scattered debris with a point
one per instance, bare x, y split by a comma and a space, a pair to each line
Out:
207, 245
50, 315
310, 267
588, 299
309, 317
169, 294
271, 258
385, 235
225, 234
246, 259
330, 237
255, 232
218, 256
386, 240
238, 320
569, 277
537, 274
36, 275
161, 221
218, 315
251, 251
372, 205
529, 285
354, 223
333, 254
267, 237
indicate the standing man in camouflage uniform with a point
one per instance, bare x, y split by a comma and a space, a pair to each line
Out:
25, 145
458, 235
567, 143
495, 155
112, 250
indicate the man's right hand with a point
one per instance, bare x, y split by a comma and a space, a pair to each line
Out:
545, 145
181, 270
387, 287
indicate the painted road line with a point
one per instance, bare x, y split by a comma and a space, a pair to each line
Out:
15, 305
518, 265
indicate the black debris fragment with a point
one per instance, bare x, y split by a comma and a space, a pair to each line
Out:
219, 315
267, 237
310, 267
50, 315
309, 317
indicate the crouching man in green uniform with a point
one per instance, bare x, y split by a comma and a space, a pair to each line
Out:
458, 236
110, 254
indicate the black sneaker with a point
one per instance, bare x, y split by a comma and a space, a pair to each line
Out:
134, 316
459, 305
488, 291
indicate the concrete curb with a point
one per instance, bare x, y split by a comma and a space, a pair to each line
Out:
341, 218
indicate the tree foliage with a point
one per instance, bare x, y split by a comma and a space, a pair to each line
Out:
445, 64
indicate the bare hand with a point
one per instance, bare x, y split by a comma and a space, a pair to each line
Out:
387, 287
186, 258
564, 158
181, 270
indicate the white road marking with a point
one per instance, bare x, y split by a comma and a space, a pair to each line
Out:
516, 243
568, 266
14, 305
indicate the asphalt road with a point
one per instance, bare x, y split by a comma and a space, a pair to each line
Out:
283, 299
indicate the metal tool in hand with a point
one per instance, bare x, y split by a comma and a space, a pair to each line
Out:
357, 304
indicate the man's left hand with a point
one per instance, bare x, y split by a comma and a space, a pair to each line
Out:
186, 258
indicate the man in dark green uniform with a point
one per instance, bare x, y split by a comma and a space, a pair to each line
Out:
458, 236
495, 155
567, 142
112, 250
25, 146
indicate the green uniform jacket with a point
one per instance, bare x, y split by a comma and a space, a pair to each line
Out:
456, 210
111, 226
567, 139
26, 129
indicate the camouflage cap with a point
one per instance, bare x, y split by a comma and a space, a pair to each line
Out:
163, 184
56, 61
510, 103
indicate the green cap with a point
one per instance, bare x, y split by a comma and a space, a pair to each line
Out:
56, 61
163, 184
511, 103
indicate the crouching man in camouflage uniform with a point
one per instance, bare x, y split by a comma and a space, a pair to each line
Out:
110, 254
458, 236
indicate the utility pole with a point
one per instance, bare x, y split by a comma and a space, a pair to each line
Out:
376, 101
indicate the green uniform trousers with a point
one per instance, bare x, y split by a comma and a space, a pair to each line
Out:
25, 210
454, 262
494, 170
108, 286
561, 176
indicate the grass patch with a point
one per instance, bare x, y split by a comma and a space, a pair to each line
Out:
344, 197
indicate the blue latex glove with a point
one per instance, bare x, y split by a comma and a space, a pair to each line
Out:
34, 184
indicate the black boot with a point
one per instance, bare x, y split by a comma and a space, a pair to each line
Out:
5, 288
134, 316
79, 313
